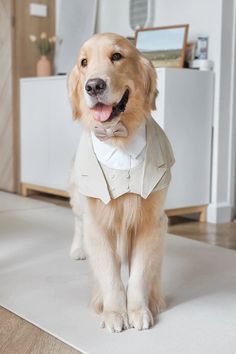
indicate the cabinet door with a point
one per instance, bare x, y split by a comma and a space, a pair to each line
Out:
64, 135
186, 112
34, 132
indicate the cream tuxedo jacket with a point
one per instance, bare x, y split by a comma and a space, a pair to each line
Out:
154, 175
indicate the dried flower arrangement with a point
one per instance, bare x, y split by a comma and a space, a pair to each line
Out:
44, 43
45, 46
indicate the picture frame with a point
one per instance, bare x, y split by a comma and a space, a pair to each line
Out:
164, 46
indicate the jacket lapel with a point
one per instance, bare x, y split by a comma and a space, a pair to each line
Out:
154, 166
90, 174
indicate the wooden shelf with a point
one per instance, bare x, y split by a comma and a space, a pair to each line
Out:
27, 188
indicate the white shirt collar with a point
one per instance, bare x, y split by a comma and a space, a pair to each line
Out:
123, 159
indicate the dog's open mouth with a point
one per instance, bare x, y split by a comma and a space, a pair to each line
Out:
102, 112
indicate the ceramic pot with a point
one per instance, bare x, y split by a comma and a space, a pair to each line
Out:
44, 66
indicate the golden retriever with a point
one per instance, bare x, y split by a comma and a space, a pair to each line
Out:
111, 83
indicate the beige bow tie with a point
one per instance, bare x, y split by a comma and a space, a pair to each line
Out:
106, 131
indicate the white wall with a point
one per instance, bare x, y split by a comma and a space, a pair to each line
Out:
113, 16
223, 182
58, 6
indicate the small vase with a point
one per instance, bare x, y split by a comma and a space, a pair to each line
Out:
43, 66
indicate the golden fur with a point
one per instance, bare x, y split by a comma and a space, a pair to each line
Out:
136, 72
128, 224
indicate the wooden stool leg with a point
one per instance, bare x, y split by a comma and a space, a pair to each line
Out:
24, 190
203, 215
201, 210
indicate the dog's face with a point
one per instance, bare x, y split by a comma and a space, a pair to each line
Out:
112, 79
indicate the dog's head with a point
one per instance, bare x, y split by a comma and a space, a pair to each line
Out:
112, 79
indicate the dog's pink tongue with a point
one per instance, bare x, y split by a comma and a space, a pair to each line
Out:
101, 112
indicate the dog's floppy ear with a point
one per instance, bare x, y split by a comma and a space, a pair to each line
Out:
73, 84
150, 81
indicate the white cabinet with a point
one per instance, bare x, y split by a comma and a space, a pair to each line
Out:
49, 136
185, 112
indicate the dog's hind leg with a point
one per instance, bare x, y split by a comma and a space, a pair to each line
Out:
77, 248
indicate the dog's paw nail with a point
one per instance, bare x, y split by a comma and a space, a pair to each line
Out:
146, 321
77, 254
141, 319
126, 321
118, 329
115, 322
102, 324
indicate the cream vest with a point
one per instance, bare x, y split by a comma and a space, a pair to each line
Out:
96, 180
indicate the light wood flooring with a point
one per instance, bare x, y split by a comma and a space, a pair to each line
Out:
18, 336
223, 235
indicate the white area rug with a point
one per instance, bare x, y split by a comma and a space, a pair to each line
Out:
39, 282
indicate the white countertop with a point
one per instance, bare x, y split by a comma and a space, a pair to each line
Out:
44, 78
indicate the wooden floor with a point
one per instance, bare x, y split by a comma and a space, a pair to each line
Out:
223, 235
18, 336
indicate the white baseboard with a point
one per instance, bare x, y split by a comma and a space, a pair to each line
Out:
219, 213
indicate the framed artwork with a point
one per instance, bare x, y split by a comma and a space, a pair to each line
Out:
164, 46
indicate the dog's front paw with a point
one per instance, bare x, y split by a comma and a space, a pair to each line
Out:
77, 253
141, 319
114, 321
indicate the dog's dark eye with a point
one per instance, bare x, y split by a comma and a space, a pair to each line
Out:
84, 62
116, 57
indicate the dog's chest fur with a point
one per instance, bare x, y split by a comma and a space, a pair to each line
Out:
126, 217
125, 213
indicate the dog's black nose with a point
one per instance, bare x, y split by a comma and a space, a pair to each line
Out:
95, 86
